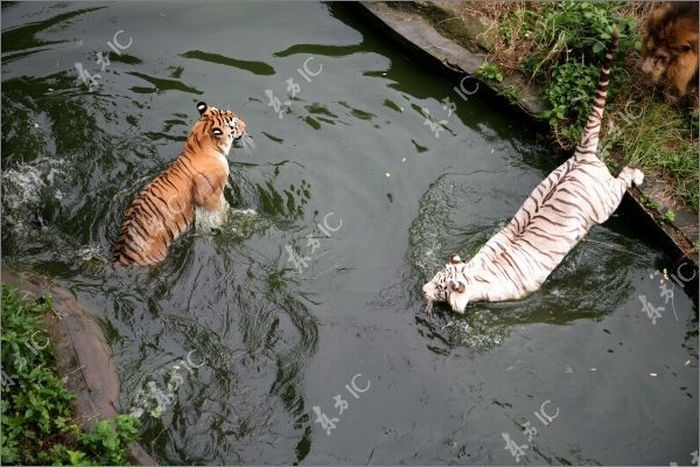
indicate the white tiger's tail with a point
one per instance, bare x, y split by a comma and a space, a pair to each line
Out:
589, 140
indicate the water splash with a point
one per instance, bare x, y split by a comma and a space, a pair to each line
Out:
206, 221
92, 255
25, 191
236, 224
427, 233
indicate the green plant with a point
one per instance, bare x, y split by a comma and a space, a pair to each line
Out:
655, 204
569, 40
668, 216
108, 437
516, 25
490, 71
37, 424
577, 31
694, 122
569, 95
510, 92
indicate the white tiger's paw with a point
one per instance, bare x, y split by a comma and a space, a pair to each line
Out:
637, 177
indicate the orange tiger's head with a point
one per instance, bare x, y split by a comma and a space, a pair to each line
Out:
219, 128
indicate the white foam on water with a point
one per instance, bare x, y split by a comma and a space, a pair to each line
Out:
242, 219
429, 229
229, 220
241, 224
244, 212
206, 221
92, 253
22, 189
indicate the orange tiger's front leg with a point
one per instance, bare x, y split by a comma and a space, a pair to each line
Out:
210, 204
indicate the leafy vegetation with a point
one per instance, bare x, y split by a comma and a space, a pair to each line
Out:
560, 46
490, 71
567, 42
569, 93
37, 424
668, 216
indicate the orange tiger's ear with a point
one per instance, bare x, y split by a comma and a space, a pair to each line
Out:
202, 107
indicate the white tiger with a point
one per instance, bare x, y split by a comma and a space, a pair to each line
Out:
557, 214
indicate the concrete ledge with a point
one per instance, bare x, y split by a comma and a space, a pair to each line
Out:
402, 22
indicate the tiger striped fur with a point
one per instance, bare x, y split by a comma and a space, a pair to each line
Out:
193, 183
557, 214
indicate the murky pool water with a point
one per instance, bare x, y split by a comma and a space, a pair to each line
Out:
369, 198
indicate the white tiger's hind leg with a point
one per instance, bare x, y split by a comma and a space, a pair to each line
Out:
637, 177
617, 187
631, 177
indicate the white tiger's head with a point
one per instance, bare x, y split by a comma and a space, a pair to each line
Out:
448, 285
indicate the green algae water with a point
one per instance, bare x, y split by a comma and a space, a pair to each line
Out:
297, 334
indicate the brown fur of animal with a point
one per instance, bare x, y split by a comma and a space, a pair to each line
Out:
670, 49
194, 182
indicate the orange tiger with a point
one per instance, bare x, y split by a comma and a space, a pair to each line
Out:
192, 185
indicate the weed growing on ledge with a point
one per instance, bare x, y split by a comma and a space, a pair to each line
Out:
668, 216
490, 71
